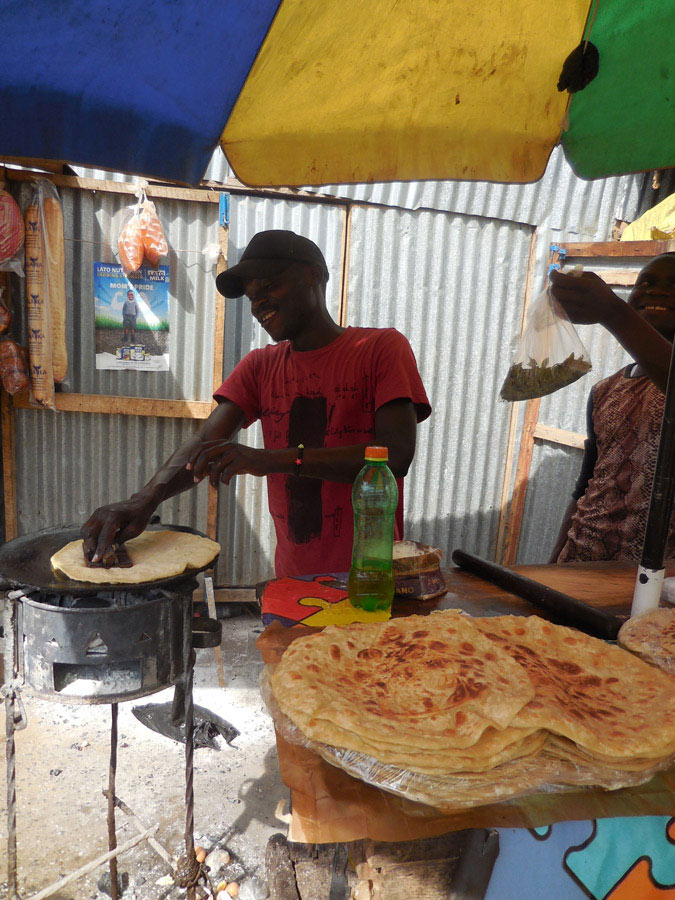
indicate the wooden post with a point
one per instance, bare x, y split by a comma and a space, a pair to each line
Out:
9, 469
513, 413
520, 486
346, 242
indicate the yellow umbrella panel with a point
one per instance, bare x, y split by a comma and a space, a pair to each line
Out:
368, 90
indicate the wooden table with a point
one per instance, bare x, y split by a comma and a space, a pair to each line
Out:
603, 585
330, 806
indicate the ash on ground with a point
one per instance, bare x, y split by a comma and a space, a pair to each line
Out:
62, 761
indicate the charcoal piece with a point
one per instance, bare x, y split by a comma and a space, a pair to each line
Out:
104, 885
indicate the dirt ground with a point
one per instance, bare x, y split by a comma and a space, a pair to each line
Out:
62, 766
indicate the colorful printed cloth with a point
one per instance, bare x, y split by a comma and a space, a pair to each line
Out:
314, 600
604, 859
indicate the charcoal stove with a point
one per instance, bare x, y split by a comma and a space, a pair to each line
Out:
103, 647
76, 642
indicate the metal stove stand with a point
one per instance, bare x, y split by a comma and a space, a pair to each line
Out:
188, 873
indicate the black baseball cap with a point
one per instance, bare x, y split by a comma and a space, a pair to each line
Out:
268, 253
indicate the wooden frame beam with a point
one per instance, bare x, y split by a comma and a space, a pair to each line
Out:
198, 195
520, 487
217, 377
124, 406
559, 436
616, 249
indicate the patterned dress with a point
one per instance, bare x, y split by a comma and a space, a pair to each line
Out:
615, 486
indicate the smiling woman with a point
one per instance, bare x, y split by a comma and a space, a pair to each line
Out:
607, 514
654, 294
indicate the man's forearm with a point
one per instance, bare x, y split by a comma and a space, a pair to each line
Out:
329, 463
172, 478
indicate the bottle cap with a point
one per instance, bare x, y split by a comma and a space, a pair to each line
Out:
377, 453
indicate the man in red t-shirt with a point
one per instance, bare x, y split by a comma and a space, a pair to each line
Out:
322, 394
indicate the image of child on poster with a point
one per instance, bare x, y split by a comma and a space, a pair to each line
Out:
130, 312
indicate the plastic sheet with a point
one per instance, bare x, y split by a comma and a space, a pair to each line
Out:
545, 772
141, 237
207, 725
550, 354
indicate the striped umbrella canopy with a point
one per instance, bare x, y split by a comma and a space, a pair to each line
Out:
303, 92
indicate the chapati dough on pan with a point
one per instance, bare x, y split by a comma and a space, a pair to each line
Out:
155, 555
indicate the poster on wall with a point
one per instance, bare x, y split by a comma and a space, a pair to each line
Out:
131, 316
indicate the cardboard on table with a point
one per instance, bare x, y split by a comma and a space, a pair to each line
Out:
328, 805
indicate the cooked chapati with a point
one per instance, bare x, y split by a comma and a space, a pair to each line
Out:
432, 708
651, 636
599, 696
492, 749
154, 554
426, 683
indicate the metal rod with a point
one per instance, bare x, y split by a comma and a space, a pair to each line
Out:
112, 834
94, 864
188, 672
12, 886
11, 670
650, 574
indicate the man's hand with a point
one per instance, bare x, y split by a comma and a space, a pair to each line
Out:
116, 523
222, 460
586, 298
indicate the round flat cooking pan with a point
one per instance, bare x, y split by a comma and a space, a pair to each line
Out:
25, 563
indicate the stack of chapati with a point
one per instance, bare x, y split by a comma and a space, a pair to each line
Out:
459, 711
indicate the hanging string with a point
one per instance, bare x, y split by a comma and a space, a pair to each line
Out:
589, 27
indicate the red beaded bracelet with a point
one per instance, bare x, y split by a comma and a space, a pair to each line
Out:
298, 459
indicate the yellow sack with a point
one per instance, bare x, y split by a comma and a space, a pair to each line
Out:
657, 224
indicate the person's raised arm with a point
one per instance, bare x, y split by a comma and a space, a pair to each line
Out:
395, 428
587, 300
122, 521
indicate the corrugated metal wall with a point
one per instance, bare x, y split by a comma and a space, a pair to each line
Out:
559, 200
445, 263
69, 463
90, 218
454, 286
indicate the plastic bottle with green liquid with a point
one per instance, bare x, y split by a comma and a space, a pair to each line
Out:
374, 500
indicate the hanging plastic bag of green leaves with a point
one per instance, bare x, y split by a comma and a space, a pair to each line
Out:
549, 356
